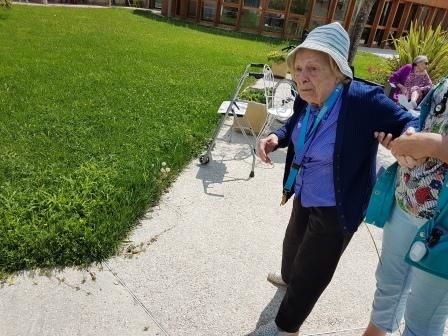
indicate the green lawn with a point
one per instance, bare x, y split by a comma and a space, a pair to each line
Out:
370, 67
93, 104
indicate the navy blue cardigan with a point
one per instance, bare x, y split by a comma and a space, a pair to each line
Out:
364, 110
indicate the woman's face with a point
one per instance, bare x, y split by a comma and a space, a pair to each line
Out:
421, 66
314, 76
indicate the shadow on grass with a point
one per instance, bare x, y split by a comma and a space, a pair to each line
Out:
207, 29
4, 13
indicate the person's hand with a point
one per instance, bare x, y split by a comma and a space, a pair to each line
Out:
417, 145
408, 161
266, 146
409, 131
386, 139
383, 139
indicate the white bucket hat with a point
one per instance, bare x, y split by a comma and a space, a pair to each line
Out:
331, 39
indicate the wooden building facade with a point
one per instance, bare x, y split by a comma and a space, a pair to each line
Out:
288, 18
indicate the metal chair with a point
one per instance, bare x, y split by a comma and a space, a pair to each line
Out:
280, 98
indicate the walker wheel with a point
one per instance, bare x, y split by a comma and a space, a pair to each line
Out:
204, 159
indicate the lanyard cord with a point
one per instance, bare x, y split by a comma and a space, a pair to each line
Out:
295, 168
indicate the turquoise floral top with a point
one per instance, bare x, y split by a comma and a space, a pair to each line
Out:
418, 188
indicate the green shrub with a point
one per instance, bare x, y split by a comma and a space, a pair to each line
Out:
277, 56
6, 3
420, 41
253, 94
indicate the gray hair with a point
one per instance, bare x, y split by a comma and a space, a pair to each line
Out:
420, 59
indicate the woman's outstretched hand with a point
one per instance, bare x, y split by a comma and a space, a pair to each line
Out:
266, 146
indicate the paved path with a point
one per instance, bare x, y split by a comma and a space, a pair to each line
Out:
196, 265
387, 53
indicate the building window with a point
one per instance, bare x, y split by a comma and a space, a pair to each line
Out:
378, 36
229, 15
301, 7
438, 18
372, 13
321, 8
208, 11
315, 22
364, 36
412, 15
425, 13
385, 14
341, 10
294, 28
252, 3
398, 16
250, 19
274, 22
192, 9
277, 5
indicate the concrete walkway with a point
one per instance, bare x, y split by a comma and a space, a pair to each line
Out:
196, 266
387, 53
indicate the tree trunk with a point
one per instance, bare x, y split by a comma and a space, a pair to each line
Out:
358, 27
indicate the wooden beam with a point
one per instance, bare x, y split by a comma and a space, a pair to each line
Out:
378, 13
348, 17
390, 21
404, 18
430, 17
219, 4
418, 14
198, 10
432, 3
288, 8
310, 13
331, 10
442, 21
264, 5
240, 10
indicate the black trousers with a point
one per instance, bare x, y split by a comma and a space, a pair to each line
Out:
313, 244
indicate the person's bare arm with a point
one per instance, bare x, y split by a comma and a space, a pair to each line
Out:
421, 145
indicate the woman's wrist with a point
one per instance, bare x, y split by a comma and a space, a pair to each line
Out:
438, 145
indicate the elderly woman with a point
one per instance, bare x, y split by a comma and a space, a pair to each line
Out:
330, 167
412, 81
414, 197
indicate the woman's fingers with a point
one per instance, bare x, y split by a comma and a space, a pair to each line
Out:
263, 150
410, 131
383, 138
266, 146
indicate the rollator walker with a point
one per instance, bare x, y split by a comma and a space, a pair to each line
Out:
279, 99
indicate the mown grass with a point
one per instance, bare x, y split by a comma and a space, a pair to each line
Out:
371, 67
92, 102
100, 109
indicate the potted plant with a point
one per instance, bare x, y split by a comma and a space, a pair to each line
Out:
277, 59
